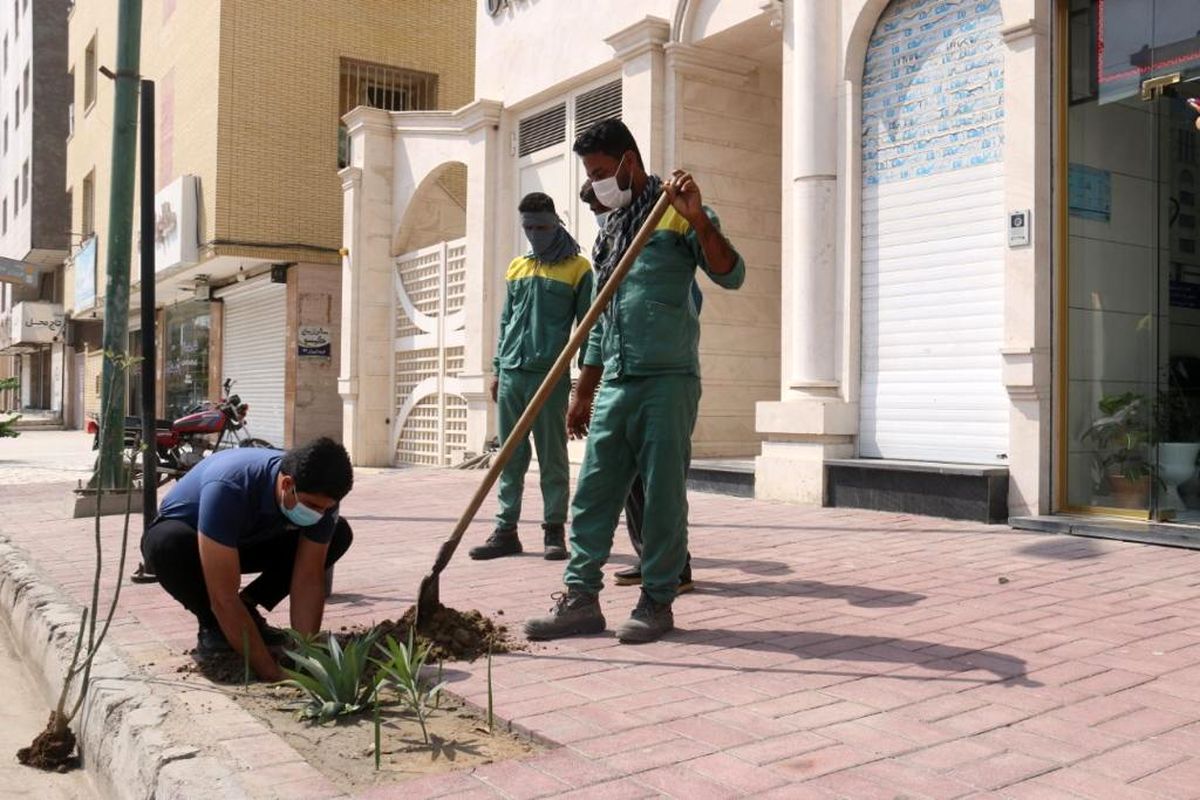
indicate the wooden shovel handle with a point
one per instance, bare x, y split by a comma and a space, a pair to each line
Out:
561, 365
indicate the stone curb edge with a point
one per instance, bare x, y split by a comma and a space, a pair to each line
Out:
126, 747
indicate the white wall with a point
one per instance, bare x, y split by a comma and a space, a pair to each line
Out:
17, 242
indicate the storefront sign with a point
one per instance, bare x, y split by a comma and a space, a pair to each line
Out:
85, 275
175, 224
37, 323
315, 341
13, 271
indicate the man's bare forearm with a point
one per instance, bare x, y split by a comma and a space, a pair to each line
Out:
718, 252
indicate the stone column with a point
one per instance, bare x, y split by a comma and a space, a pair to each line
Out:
1028, 288
812, 420
639, 48
365, 380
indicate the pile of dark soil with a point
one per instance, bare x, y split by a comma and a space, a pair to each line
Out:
454, 636
52, 750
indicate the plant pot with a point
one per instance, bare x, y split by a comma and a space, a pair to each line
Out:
1129, 493
1176, 465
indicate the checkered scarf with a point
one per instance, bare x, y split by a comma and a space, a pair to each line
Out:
620, 228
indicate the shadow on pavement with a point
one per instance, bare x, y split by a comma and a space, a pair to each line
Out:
1064, 549
862, 596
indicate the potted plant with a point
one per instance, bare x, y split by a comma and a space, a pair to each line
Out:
1121, 435
1178, 435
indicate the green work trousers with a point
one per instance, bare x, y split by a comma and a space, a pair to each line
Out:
517, 388
639, 424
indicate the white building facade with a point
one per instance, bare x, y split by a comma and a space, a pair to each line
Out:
914, 185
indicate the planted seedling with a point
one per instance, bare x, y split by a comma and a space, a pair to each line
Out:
491, 718
336, 681
402, 671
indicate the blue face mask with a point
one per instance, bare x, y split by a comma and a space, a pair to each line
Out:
300, 514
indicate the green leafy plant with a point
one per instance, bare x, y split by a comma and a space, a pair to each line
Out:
491, 719
336, 680
402, 671
1121, 435
8, 427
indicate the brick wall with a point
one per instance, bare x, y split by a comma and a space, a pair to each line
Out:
277, 160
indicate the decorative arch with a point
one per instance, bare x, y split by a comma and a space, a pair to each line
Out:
690, 13
436, 211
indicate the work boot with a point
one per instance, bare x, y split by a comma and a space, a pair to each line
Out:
575, 612
271, 636
210, 642
554, 538
630, 576
502, 542
648, 622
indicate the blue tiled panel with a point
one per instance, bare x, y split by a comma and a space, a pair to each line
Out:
933, 89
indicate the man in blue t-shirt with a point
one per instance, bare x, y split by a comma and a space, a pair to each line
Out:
252, 510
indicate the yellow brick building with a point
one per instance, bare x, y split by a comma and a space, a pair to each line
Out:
249, 96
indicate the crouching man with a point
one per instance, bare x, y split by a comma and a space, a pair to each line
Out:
252, 510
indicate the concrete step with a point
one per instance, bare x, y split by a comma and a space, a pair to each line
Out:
731, 476
976, 492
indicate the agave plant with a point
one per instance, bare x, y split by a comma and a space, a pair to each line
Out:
336, 680
402, 671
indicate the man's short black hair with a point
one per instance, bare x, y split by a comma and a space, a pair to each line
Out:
608, 136
536, 201
321, 466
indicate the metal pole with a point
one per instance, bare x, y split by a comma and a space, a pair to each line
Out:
149, 439
120, 241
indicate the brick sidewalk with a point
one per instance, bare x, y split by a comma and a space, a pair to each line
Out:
826, 653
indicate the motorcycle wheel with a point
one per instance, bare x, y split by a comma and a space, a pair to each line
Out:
256, 443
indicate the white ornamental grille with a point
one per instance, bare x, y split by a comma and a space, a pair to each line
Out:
430, 426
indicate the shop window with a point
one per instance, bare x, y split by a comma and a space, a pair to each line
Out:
186, 356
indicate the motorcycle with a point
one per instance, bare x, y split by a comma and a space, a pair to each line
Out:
180, 445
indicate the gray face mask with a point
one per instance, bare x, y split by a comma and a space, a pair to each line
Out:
541, 239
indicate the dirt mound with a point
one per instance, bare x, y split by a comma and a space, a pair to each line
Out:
51, 750
455, 635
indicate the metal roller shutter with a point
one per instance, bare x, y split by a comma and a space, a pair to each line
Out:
933, 235
254, 353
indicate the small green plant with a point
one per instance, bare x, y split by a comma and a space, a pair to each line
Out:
375, 720
336, 681
402, 671
8, 427
1122, 437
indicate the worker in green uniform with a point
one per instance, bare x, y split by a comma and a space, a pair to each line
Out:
643, 355
547, 291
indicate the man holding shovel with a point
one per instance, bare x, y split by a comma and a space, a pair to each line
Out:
547, 291
645, 348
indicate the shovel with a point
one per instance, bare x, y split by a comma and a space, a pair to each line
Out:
428, 596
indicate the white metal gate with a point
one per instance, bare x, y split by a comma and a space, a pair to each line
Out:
933, 234
254, 353
430, 424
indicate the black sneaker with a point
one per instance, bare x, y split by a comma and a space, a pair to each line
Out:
210, 642
630, 576
502, 542
648, 622
143, 575
554, 539
271, 636
575, 613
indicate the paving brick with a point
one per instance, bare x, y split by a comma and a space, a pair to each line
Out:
822, 762
948, 756
746, 778
1180, 780
519, 781
780, 748
1132, 761
1000, 770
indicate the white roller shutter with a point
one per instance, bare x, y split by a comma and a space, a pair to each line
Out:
933, 235
254, 353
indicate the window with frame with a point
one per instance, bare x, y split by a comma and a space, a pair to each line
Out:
71, 104
16, 197
25, 86
25, 183
87, 205
362, 83
5, 133
89, 75
17, 108
4, 216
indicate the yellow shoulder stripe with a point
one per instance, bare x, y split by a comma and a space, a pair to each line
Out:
674, 221
569, 271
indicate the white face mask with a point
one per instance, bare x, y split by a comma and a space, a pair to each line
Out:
609, 193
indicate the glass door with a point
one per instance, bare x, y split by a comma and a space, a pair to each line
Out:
1131, 432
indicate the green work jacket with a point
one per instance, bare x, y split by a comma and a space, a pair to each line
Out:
653, 325
541, 302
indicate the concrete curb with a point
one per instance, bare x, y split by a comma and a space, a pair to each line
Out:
133, 735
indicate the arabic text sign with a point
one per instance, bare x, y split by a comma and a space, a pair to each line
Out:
315, 341
37, 323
